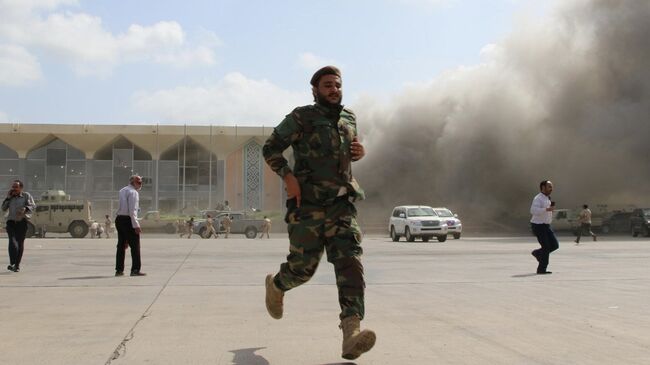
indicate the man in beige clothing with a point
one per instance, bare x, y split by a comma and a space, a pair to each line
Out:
585, 224
266, 228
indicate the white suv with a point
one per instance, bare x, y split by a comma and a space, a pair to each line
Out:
413, 221
454, 226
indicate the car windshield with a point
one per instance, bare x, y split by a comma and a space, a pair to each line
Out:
420, 212
646, 212
444, 213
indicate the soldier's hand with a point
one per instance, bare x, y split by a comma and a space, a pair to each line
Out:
357, 150
138, 230
293, 188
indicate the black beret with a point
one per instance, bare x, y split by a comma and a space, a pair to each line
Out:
327, 70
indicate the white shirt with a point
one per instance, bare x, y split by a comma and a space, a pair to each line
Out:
129, 204
538, 210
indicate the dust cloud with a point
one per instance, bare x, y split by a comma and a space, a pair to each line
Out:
563, 98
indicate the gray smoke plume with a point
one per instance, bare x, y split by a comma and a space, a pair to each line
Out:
564, 98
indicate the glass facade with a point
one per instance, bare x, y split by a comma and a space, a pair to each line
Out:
192, 171
186, 178
56, 166
8, 166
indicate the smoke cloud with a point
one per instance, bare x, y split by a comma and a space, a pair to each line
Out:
564, 98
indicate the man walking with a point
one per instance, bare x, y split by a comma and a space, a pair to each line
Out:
266, 228
585, 224
108, 224
20, 205
320, 213
209, 228
226, 222
190, 227
542, 212
128, 227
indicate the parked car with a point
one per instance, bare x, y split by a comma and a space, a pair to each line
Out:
454, 225
619, 222
640, 222
241, 223
416, 221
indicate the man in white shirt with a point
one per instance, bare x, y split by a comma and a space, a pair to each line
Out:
128, 228
542, 215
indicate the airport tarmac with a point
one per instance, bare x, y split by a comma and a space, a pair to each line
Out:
470, 301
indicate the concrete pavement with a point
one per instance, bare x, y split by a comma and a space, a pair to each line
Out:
468, 301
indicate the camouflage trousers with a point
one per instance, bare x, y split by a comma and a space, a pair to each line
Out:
334, 229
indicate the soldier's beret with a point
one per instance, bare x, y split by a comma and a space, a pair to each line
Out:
327, 70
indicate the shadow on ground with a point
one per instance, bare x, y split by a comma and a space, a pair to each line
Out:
249, 357
524, 275
87, 277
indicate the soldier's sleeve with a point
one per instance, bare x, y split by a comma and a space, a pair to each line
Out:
352, 122
282, 137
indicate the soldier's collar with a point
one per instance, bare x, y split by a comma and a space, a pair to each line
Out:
329, 109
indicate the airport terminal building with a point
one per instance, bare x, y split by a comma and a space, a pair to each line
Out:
185, 168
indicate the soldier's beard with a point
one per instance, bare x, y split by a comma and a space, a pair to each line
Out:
322, 99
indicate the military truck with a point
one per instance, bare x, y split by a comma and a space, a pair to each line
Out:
55, 212
241, 223
151, 222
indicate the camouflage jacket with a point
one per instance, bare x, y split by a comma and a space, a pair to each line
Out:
320, 137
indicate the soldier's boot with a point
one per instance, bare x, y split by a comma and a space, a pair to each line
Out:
274, 298
355, 341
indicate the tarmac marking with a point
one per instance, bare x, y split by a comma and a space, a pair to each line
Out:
120, 350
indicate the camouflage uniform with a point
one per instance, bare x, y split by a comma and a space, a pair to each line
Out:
226, 223
326, 220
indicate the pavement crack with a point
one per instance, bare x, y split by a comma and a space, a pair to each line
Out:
120, 350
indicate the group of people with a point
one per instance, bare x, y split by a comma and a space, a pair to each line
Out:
321, 215
212, 228
96, 229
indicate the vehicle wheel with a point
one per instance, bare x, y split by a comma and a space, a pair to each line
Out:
31, 230
425, 238
456, 236
442, 238
635, 233
170, 228
646, 231
78, 229
251, 232
393, 234
604, 229
202, 232
408, 235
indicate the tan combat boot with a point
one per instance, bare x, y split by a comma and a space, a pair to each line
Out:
355, 341
274, 297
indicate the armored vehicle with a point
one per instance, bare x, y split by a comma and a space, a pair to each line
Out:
55, 212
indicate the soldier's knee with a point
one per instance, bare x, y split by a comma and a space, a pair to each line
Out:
349, 272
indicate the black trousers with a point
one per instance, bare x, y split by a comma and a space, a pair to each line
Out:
16, 231
548, 241
126, 237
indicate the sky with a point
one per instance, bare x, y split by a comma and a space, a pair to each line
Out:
229, 62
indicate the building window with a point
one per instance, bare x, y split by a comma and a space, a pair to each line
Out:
55, 166
8, 166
